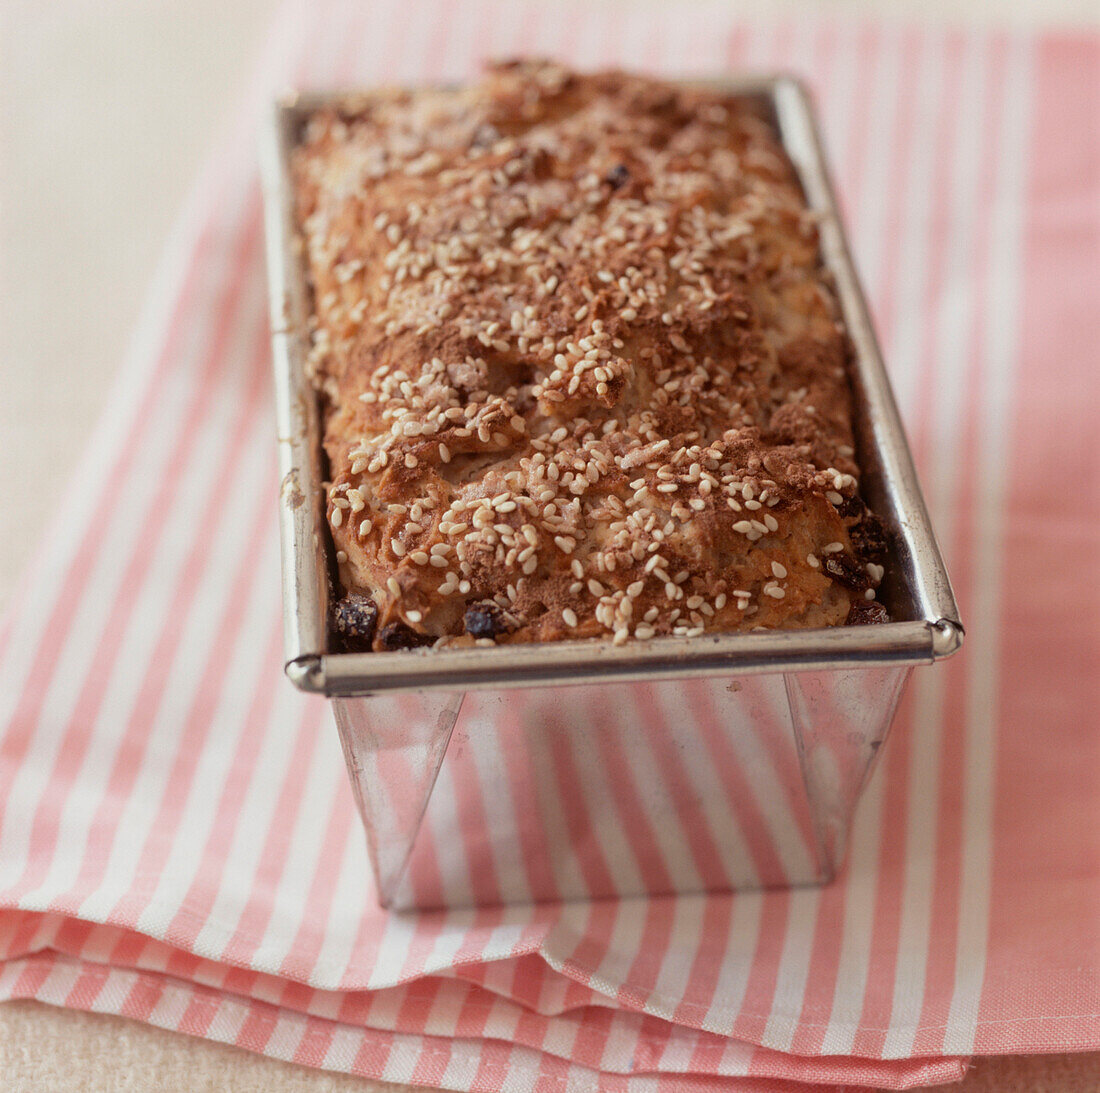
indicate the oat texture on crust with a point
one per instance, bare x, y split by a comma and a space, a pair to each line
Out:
582, 373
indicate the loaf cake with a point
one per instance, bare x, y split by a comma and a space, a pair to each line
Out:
582, 372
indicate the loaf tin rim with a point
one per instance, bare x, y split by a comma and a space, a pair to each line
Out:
932, 632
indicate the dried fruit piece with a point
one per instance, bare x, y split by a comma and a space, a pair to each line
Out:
846, 570
869, 538
354, 619
485, 620
852, 507
397, 635
866, 613
619, 175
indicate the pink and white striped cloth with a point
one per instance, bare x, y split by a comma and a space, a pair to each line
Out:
178, 843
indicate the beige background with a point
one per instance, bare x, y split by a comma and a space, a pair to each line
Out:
105, 111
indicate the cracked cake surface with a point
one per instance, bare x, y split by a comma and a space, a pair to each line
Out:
582, 371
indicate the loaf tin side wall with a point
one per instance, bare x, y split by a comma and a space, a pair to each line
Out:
549, 793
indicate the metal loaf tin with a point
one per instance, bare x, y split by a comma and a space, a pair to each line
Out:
581, 768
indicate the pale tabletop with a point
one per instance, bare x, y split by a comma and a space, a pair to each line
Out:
107, 109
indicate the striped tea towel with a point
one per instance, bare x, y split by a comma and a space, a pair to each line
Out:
177, 838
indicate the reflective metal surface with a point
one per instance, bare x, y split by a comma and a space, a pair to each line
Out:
486, 796
583, 769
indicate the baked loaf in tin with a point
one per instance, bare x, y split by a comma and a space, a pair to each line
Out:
582, 371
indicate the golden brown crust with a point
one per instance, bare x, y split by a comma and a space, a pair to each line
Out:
579, 360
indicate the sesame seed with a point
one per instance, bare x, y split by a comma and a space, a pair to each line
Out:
569, 616
413, 616
397, 547
779, 570
833, 548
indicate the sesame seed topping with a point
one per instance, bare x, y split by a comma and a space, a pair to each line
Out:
528, 374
